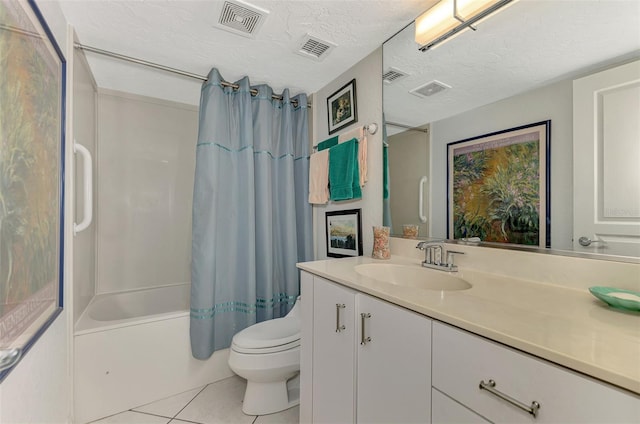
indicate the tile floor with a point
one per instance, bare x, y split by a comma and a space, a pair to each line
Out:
215, 403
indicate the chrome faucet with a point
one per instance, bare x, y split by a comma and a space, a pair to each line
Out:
433, 254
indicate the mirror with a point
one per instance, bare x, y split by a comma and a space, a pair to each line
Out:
517, 68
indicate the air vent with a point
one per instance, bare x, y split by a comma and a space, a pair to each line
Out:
241, 18
314, 48
393, 75
429, 89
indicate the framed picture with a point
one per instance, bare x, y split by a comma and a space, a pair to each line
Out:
32, 105
344, 233
498, 186
341, 107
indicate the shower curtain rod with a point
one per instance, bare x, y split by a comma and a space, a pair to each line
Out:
119, 56
408, 127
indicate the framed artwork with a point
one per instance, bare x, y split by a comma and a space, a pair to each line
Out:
344, 233
341, 107
498, 186
32, 105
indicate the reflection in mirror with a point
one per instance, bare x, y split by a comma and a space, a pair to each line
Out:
519, 67
408, 158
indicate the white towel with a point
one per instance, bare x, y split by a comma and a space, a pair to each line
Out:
360, 134
319, 178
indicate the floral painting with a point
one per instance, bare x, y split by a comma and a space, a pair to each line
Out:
31, 145
499, 185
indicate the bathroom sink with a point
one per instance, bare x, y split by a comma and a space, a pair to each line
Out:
412, 276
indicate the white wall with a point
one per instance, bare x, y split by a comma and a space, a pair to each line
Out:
552, 102
369, 107
146, 162
37, 390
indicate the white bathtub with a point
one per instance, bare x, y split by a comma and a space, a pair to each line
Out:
132, 348
134, 307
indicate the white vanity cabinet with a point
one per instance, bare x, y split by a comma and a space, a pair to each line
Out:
394, 363
462, 360
334, 333
371, 360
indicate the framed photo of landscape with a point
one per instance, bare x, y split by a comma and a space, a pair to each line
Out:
344, 233
498, 186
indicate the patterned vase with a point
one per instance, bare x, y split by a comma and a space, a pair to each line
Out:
381, 243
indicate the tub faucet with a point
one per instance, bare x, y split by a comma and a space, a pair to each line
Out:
433, 254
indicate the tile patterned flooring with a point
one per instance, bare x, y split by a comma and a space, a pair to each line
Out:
215, 403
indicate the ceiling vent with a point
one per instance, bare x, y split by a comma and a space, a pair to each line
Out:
241, 18
429, 89
393, 75
314, 48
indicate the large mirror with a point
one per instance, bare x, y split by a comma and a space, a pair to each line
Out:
528, 63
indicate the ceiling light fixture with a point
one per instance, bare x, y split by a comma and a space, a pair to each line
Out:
450, 17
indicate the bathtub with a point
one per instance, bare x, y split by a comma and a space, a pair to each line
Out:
132, 348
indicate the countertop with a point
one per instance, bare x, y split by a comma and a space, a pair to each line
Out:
567, 326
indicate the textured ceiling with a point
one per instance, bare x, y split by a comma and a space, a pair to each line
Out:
181, 34
528, 45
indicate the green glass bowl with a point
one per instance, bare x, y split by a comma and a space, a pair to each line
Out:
618, 298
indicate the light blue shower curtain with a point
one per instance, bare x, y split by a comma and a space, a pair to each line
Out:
251, 217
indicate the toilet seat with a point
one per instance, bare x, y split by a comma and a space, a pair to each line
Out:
270, 336
263, 350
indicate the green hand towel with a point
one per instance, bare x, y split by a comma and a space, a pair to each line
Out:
344, 176
328, 143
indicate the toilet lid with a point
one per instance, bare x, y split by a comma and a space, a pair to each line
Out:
261, 351
275, 332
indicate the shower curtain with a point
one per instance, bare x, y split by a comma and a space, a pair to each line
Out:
251, 218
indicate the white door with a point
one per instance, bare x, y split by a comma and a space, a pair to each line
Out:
333, 353
606, 161
394, 364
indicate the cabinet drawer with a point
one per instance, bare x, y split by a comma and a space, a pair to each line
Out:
462, 360
445, 410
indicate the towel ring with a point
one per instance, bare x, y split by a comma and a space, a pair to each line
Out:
371, 128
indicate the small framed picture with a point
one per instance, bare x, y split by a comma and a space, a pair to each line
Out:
341, 107
344, 233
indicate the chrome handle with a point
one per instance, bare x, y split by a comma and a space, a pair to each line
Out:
490, 387
9, 358
364, 340
450, 254
339, 327
586, 241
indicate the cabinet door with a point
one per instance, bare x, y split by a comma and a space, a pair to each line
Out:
394, 367
306, 347
333, 353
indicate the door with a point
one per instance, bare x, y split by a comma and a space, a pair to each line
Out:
333, 353
606, 158
394, 364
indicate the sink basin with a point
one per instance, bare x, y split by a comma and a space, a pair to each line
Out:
412, 276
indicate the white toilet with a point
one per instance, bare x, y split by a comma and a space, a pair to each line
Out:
267, 355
